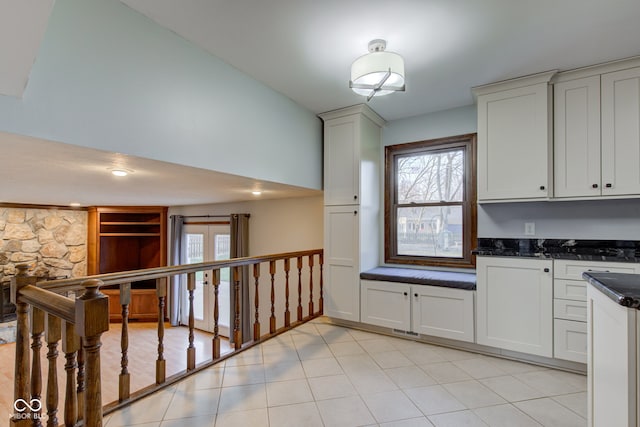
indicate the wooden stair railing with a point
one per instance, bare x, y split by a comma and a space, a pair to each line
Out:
45, 310
72, 321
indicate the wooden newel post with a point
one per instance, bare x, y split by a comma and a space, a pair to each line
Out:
22, 378
92, 320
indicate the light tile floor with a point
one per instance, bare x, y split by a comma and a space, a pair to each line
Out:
323, 375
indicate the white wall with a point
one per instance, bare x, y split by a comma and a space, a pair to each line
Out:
276, 226
282, 225
598, 219
108, 77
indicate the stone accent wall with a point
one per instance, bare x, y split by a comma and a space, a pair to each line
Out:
52, 241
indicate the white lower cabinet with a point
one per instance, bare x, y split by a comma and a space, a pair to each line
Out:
386, 304
443, 312
429, 310
570, 304
515, 304
342, 262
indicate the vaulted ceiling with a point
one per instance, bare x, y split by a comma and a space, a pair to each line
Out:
304, 49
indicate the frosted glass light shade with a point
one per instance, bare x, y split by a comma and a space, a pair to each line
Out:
370, 70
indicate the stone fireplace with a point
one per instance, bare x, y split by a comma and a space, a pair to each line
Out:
53, 242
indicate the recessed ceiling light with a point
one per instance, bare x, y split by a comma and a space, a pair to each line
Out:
256, 193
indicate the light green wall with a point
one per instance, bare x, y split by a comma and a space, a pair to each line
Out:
107, 77
456, 121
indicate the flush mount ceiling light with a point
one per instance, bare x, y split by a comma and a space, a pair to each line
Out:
378, 72
120, 171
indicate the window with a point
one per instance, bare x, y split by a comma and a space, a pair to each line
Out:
430, 202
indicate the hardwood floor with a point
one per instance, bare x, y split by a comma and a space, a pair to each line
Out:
143, 351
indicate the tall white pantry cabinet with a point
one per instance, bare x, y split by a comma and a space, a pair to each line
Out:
352, 156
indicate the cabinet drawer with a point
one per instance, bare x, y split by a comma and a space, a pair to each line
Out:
570, 289
570, 310
572, 270
570, 340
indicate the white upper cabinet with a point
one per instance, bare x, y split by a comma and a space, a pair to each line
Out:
351, 154
577, 138
597, 131
585, 145
514, 139
341, 178
621, 132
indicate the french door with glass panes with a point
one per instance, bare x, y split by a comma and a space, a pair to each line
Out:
207, 243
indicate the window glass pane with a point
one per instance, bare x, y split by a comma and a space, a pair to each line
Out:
435, 176
430, 231
223, 252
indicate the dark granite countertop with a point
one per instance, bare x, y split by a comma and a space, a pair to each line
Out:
622, 288
583, 250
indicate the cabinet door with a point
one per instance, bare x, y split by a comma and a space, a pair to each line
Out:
515, 304
341, 159
621, 132
443, 312
612, 351
386, 304
341, 280
514, 143
577, 138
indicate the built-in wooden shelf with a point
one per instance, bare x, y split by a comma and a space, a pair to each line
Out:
127, 238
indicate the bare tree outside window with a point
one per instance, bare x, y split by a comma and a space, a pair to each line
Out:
430, 200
